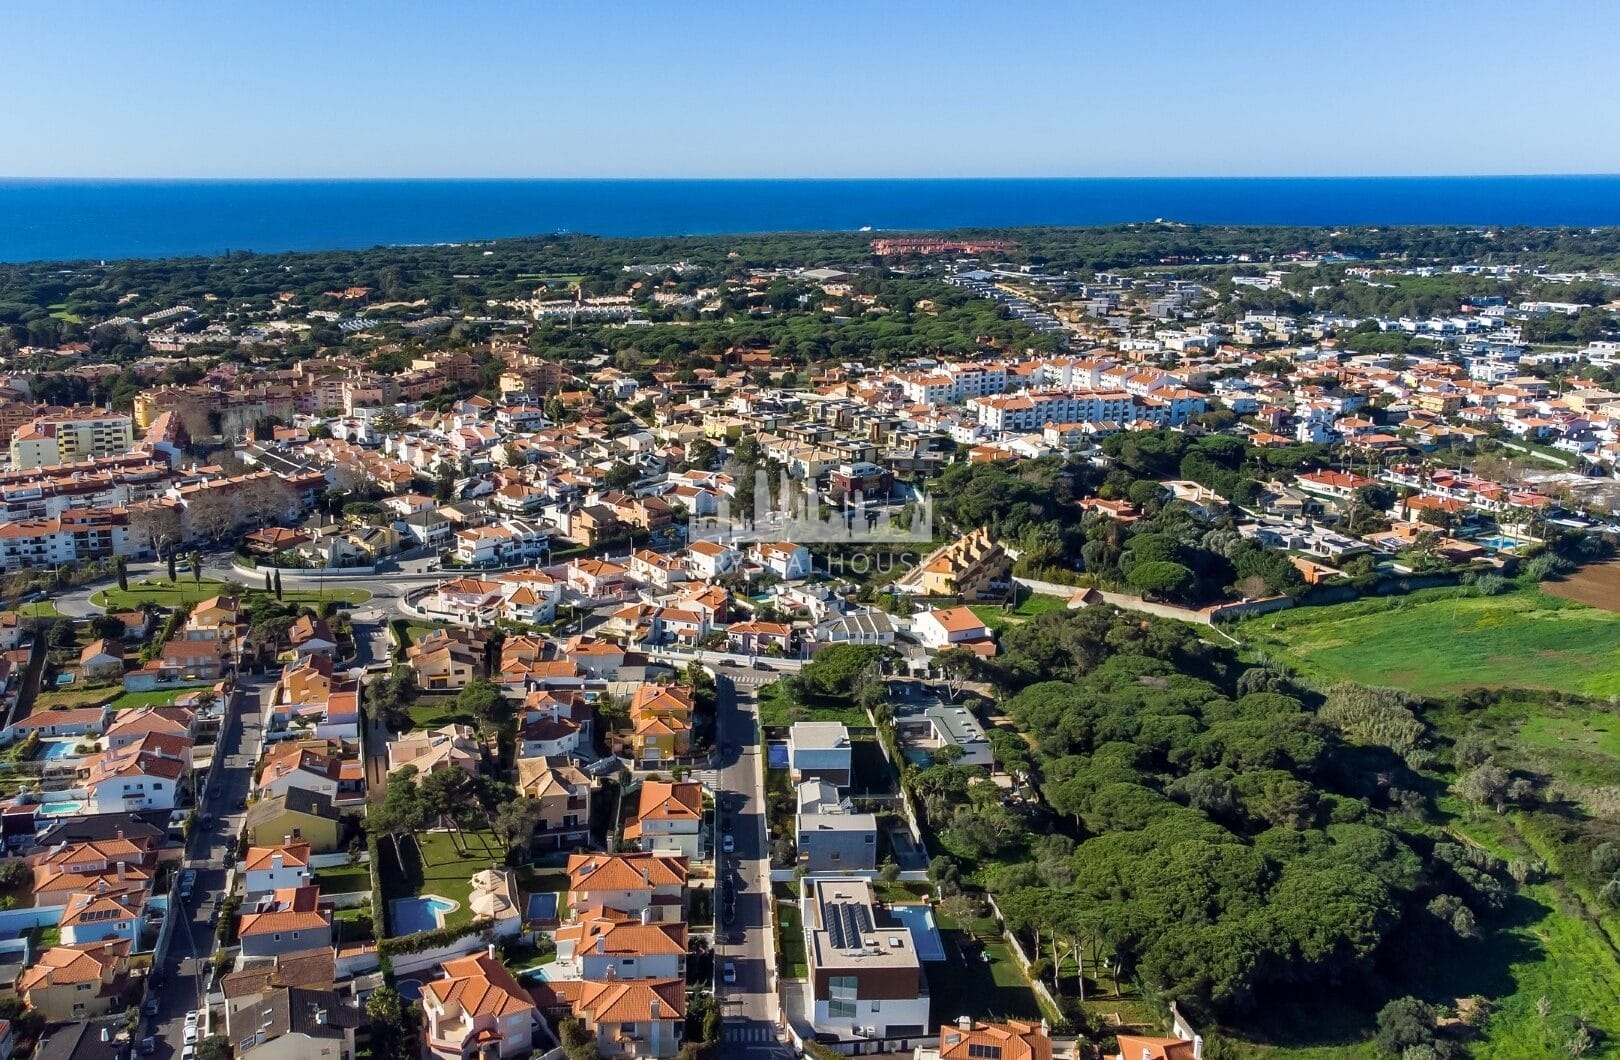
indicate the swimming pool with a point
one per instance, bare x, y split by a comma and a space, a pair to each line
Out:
58, 749
1498, 542
426, 913
410, 990
919, 920
543, 906
58, 809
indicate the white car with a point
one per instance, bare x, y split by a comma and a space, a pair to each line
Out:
189, 1053
193, 1018
728, 972
191, 1034
727, 844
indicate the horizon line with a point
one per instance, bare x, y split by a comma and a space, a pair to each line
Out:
58, 179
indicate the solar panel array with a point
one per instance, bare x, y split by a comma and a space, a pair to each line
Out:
846, 924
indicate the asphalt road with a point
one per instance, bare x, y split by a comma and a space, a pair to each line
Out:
749, 1006
185, 969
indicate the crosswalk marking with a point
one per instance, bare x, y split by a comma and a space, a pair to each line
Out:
750, 1032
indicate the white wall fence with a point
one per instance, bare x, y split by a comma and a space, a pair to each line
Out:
406, 963
1043, 994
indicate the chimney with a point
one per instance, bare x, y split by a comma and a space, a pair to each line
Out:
275, 860
646, 915
601, 944
119, 833
964, 1023
286, 840
1198, 1047
1046, 1029
1147, 1054
491, 951
120, 871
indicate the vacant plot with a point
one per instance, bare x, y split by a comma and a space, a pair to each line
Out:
1442, 641
1597, 585
164, 593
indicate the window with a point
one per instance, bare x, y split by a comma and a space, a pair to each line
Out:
841, 992
978, 1051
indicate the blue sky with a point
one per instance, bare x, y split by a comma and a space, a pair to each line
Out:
354, 88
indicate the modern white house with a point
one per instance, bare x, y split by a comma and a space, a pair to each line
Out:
819, 750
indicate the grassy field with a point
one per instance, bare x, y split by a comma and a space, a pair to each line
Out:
998, 617
791, 959
39, 609
164, 593
1440, 641
778, 710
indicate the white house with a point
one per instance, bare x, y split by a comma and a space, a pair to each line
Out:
267, 869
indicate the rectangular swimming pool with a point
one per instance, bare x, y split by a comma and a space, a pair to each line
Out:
919, 920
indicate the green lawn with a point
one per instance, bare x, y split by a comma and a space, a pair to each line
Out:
435, 865
778, 710
1438, 641
344, 879
432, 712
158, 697
965, 985
186, 590
39, 609
791, 960
997, 617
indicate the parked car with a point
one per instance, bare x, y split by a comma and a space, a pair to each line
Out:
192, 1018
188, 1053
149, 1007
729, 973
148, 1045
728, 844
188, 880
191, 1034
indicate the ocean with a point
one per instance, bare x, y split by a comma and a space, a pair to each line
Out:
74, 219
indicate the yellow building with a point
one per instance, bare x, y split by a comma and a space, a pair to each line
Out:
974, 567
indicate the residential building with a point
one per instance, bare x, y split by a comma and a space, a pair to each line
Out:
971, 1039
299, 814
819, 750
477, 1009
77, 982
285, 921
866, 979
953, 627
629, 883
564, 794
831, 836
275, 868
669, 818
630, 1017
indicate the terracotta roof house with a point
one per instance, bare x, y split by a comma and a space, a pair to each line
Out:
285, 921
629, 882
970, 1039
77, 982
648, 1015
477, 1006
669, 818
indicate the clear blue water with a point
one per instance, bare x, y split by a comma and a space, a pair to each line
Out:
409, 989
924, 935
58, 809
543, 905
1498, 542
58, 749
414, 915
57, 219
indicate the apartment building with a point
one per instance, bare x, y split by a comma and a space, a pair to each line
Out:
74, 434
